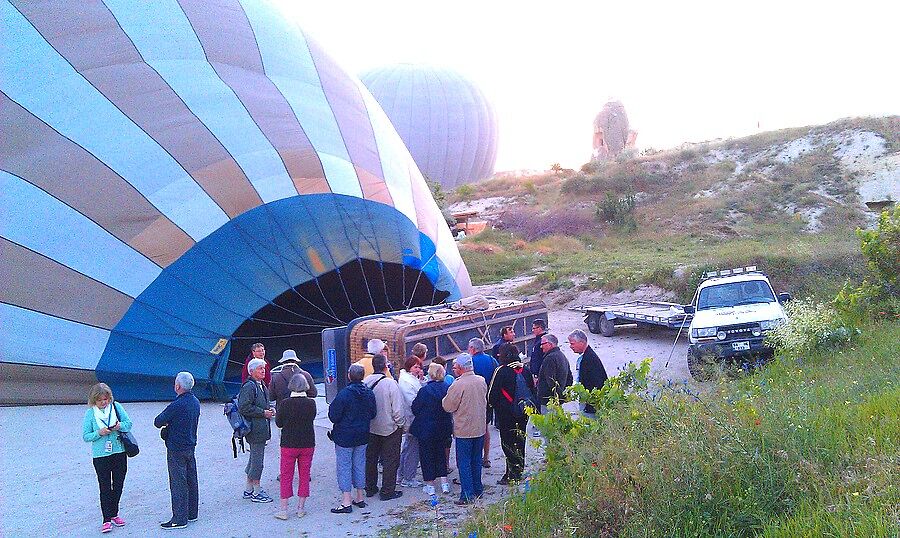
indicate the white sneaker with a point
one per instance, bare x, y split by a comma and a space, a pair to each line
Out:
445, 487
428, 489
411, 484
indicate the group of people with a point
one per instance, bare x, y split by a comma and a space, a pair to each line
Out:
292, 391
412, 421
399, 423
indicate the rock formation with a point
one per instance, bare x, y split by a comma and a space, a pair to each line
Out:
611, 132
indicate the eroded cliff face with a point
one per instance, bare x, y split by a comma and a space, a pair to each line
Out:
611, 132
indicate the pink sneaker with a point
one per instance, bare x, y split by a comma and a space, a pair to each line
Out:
118, 522
106, 527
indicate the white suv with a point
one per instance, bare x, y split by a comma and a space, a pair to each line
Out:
733, 309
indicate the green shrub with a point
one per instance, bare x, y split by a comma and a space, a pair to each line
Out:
881, 249
464, 191
617, 211
811, 326
613, 176
879, 294
688, 154
560, 428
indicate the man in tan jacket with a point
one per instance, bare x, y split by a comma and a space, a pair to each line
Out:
385, 432
466, 399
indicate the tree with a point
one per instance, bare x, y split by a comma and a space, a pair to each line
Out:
440, 198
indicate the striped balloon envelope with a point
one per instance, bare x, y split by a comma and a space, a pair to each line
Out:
182, 178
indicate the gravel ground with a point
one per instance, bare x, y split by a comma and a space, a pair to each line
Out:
49, 485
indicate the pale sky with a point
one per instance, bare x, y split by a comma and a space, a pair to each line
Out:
685, 71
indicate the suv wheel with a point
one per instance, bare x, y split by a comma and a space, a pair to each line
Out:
703, 367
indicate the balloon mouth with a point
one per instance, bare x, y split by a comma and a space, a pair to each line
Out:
296, 318
278, 274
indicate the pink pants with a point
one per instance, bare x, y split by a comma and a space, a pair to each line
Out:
303, 458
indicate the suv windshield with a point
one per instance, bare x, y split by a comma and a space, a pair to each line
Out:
734, 294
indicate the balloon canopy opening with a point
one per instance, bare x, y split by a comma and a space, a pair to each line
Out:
278, 274
295, 319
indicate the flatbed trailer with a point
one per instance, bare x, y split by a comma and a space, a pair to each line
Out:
603, 318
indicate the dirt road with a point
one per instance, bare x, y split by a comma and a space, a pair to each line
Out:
629, 344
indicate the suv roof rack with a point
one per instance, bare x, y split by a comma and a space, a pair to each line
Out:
731, 272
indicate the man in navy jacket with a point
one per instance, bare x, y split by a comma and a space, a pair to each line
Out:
590, 369
180, 419
538, 328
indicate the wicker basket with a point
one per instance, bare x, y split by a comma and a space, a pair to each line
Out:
444, 329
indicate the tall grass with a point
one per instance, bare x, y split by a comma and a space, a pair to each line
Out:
808, 265
807, 446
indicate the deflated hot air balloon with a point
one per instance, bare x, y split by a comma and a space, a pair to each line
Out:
447, 123
182, 178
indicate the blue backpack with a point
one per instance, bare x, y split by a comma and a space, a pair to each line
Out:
238, 423
522, 399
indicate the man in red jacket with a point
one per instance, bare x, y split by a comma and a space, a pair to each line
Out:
257, 351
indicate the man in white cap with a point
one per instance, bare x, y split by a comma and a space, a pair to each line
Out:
374, 347
289, 365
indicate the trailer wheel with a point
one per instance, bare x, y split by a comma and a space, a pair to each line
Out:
593, 322
703, 367
607, 326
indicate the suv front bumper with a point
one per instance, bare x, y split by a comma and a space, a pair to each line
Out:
729, 349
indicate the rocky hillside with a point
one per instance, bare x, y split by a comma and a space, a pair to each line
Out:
808, 180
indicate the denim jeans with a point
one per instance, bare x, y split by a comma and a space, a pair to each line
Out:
183, 485
351, 467
468, 461
409, 458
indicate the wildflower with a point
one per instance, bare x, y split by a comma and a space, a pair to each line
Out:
507, 528
757, 422
856, 494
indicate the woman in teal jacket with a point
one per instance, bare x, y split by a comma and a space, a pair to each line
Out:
103, 421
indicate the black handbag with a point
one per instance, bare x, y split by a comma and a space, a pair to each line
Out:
130, 444
128, 440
